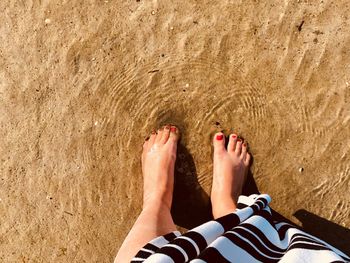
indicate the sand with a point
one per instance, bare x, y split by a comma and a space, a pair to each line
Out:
82, 83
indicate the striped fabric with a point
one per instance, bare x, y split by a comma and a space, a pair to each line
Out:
247, 235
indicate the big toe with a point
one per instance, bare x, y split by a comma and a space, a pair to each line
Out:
219, 141
152, 138
174, 134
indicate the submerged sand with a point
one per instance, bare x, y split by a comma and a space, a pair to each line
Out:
83, 82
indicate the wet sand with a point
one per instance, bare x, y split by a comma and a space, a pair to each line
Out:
83, 82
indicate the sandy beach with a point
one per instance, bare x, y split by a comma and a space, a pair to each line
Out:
82, 83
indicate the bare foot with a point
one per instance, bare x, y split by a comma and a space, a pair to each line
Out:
158, 162
230, 170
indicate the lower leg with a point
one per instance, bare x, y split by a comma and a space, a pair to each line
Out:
154, 220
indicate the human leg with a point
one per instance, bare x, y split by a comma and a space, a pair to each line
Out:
158, 163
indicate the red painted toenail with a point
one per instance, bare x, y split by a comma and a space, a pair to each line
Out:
173, 129
244, 144
239, 140
234, 136
219, 137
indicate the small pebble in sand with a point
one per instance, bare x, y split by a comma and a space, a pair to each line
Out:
301, 169
153, 12
93, 59
187, 85
347, 83
172, 28
47, 21
96, 122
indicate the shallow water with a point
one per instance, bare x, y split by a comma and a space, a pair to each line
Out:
79, 95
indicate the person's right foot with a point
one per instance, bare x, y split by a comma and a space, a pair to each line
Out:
158, 162
230, 170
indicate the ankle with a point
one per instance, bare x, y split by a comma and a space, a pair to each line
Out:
157, 204
223, 208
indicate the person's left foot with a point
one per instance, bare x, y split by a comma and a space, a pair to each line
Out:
158, 163
230, 169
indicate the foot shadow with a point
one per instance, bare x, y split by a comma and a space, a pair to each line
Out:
332, 233
250, 186
191, 204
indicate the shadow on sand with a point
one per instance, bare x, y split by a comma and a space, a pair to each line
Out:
328, 231
192, 207
191, 204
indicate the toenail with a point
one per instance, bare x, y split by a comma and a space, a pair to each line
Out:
234, 136
244, 144
147, 138
219, 137
167, 127
153, 132
239, 140
173, 129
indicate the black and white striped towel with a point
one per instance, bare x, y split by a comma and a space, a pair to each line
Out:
247, 235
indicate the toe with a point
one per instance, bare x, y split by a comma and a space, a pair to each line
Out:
244, 150
238, 148
232, 143
247, 159
219, 141
152, 138
159, 136
165, 134
174, 133
145, 144
145, 148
